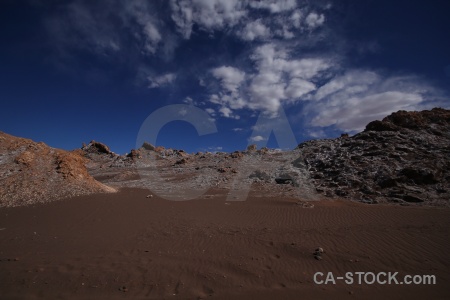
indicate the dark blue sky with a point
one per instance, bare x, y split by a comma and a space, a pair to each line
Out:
73, 71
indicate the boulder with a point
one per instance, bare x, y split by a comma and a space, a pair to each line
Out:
251, 148
96, 147
148, 146
134, 154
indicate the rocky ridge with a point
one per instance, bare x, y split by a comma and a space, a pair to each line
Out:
404, 158
33, 172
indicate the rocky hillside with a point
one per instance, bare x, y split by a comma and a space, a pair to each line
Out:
404, 158
33, 172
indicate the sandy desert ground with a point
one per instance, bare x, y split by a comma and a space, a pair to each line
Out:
374, 202
127, 246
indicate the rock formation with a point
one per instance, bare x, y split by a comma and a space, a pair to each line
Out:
33, 172
405, 158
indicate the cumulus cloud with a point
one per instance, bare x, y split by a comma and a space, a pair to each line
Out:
152, 37
162, 80
314, 20
347, 100
296, 18
209, 15
277, 72
227, 113
238, 17
257, 138
229, 77
254, 30
274, 6
132, 32
229, 97
275, 79
211, 111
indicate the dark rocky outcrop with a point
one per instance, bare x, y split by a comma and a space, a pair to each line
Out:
405, 158
134, 154
96, 147
148, 146
251, 148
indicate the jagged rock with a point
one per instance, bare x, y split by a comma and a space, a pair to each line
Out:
258, 174
181, 161
381, 126
406, 152
134, 154
419, 176
159, 149
26, 158
148, 146
251, 148
263, 150
181, 153
411, 198
236, 154
283, 180
34, 172
96, 147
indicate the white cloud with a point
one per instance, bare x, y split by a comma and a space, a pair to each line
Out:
276, 79
229, 97
237, 129
296, 18
316, 133
210, 111
314, 20
159, 81
226, 112
278, 74
347, 101
306, 68
152, 37
230, 78
183, 112
349, 83
274, 6
189, 100
254, 30
257, 138
209, 15
352, 100
298, 87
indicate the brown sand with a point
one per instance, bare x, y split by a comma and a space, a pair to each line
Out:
91, 247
